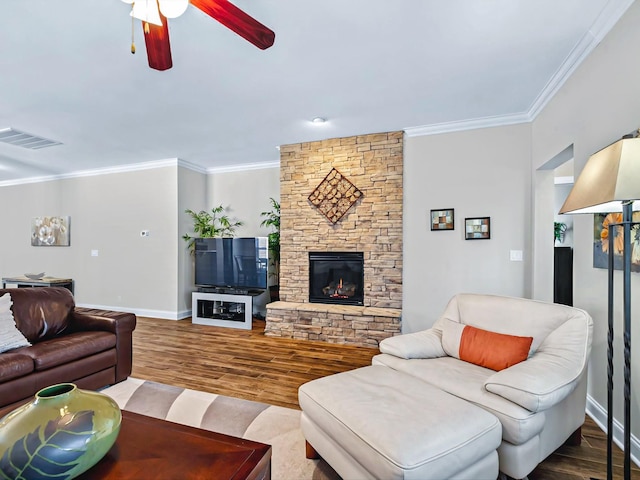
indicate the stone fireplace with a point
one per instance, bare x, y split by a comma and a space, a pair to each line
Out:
370, 228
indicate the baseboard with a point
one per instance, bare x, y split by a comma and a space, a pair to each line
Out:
141, 312
599, 415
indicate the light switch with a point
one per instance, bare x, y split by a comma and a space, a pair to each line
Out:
94, 253
515, 255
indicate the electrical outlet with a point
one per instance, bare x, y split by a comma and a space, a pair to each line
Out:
94, 253
515, 255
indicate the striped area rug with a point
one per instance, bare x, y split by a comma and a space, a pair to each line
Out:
276, 426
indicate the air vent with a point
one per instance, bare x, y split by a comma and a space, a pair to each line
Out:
25, 140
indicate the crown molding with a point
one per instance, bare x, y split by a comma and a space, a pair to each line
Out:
134, 167
486, 122
608, 17
243, 167
191, 166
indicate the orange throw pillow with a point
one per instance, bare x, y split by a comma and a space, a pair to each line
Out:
496, 351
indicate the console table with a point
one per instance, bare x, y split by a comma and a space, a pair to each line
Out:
22, 281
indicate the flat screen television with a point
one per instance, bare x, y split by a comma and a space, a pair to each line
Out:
239, 263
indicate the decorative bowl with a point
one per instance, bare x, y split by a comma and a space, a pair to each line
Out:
34, 276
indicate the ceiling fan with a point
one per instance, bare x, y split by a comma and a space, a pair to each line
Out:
154, 15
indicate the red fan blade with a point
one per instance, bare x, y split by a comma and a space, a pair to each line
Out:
156, 39
235, 19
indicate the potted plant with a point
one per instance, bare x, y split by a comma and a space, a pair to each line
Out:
272, 220
558, 231
211, 224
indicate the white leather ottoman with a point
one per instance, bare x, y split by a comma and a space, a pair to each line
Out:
375, 422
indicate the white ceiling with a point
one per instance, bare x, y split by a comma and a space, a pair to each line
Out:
368, 66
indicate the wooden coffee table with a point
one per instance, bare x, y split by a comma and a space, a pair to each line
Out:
150, 448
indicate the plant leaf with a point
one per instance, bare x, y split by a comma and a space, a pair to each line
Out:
51, 453
209, 225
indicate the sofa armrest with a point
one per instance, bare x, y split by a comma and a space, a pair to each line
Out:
121, 324
550, 374
105, 321
535, 384
424, 344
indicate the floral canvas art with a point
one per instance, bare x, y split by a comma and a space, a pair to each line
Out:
603, 226
50, 232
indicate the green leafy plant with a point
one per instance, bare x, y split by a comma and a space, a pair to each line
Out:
272, 219
558, 230
211, 224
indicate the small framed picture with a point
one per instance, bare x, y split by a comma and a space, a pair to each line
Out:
442, 219
478, 228
50, 231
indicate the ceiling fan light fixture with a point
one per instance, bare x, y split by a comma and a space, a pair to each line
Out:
173, 8
147, 11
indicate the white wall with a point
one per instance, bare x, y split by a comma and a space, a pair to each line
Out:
107, 214
192, 195
151, 276
543, 213
245, 194
484, 172
595, 107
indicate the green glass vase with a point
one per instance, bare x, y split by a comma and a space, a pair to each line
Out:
59, 434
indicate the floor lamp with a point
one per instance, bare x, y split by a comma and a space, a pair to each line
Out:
610, 182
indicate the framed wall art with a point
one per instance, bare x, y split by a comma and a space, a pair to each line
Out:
442, 219
478, 228
50, 232
605, 225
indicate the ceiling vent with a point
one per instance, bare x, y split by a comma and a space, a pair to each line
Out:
26, 140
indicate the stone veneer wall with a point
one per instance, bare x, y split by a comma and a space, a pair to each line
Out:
373, 225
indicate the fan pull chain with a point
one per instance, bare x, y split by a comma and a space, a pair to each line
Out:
133, 45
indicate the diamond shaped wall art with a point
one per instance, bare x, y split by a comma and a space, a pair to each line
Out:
334, 196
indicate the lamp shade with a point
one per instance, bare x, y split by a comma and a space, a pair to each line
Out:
610, 178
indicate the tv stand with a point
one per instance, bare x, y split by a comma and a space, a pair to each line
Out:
230, 291
226, 309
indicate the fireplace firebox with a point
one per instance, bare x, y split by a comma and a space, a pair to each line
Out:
336, 277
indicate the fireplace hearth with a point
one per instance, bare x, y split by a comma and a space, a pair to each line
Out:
336, 277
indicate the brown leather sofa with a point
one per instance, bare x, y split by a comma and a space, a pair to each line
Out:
91, 348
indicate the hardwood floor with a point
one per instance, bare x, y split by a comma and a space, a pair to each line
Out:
237, 363
246, 364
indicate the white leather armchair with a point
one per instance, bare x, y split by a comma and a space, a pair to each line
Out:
540, 401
